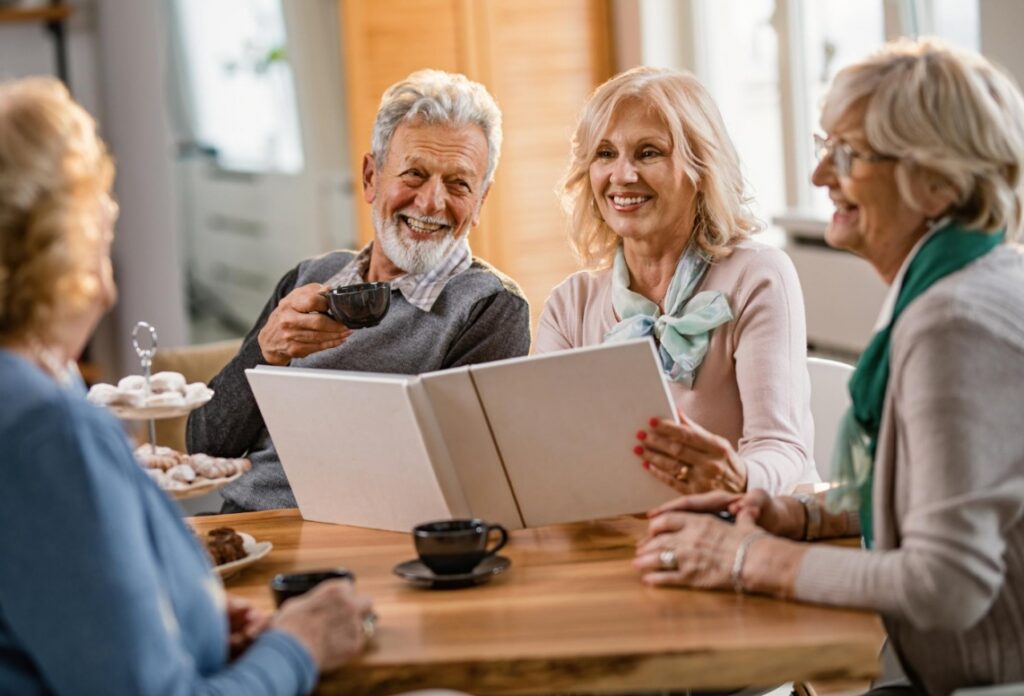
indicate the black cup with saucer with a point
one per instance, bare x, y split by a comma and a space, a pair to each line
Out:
455, 553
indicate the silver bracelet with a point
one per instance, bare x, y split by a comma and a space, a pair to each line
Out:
741, 556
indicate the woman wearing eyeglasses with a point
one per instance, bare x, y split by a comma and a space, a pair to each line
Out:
660, 218
923, 163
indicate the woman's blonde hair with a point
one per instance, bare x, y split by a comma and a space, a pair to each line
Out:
54, 171
943, 111
698, 136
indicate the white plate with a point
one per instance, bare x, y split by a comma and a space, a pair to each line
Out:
255, 550
157, 412
202, 487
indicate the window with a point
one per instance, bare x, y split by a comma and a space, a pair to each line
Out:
742, 74
238, 84
768, 63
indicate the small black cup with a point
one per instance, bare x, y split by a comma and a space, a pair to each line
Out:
359, 306
455, 547
288, 585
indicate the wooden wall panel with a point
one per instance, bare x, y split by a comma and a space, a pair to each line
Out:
539, 58
385, 40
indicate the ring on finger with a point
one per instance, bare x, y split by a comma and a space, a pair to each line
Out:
369, 626
683, 472
667, 560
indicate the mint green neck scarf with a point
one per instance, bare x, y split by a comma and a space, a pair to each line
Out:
683, 332
948, 250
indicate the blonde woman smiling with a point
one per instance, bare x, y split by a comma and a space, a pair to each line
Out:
660, 220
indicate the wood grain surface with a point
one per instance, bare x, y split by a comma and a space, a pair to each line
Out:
540, 59
569, 616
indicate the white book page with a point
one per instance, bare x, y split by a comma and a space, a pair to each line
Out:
474, 457
351, 446
565, 425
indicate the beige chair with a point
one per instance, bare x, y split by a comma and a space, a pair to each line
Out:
199, 363
829, 400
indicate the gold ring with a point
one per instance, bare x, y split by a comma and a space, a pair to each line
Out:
683, 472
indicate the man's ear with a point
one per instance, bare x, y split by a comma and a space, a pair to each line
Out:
476, 215
369, 178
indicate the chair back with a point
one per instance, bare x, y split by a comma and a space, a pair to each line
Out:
829, 400
199, 363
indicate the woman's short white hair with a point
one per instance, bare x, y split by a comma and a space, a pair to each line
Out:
943, 111
723, 217
435, 96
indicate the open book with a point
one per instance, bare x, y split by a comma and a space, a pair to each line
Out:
525, 442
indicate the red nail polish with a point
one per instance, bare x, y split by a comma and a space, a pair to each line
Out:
641, 434
646, 464
653, 422
638, 450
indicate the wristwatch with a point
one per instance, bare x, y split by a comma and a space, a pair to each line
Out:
812, 516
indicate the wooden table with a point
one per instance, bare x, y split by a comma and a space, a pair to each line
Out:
569, 616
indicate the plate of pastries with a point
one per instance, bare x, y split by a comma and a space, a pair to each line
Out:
230, 551
188, 475
169, 396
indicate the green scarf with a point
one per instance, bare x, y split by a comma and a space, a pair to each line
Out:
946, 251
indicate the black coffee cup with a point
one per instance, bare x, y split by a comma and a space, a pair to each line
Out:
359, 306
288, 585
455, 547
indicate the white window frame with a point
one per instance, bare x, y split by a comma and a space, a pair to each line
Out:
900, 18
672, 36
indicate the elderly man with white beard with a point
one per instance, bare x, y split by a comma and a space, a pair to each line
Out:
436, 141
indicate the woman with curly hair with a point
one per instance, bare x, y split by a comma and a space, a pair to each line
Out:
103, 589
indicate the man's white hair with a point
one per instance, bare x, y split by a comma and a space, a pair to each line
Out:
439, 97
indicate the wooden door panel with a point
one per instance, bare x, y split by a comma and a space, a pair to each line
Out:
539, 58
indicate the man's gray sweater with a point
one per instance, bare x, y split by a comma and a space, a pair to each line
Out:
481, 315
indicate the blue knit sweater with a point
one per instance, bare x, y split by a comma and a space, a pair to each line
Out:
103, 589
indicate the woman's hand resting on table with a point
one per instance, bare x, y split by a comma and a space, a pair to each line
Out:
689, 458
781, 515
686, 547
329, 620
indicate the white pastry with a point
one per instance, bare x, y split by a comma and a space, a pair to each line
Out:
197, 392
168, 398
127, 398
103, 394
132, 383
167, 382
218, 467
183, 473
166, 482
157, 475
161, 459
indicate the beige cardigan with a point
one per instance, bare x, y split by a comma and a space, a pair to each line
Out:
947, 573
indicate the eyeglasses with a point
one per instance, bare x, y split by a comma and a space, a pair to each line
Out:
843, 155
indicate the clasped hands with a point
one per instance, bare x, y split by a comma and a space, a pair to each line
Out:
683, 546
299, 326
